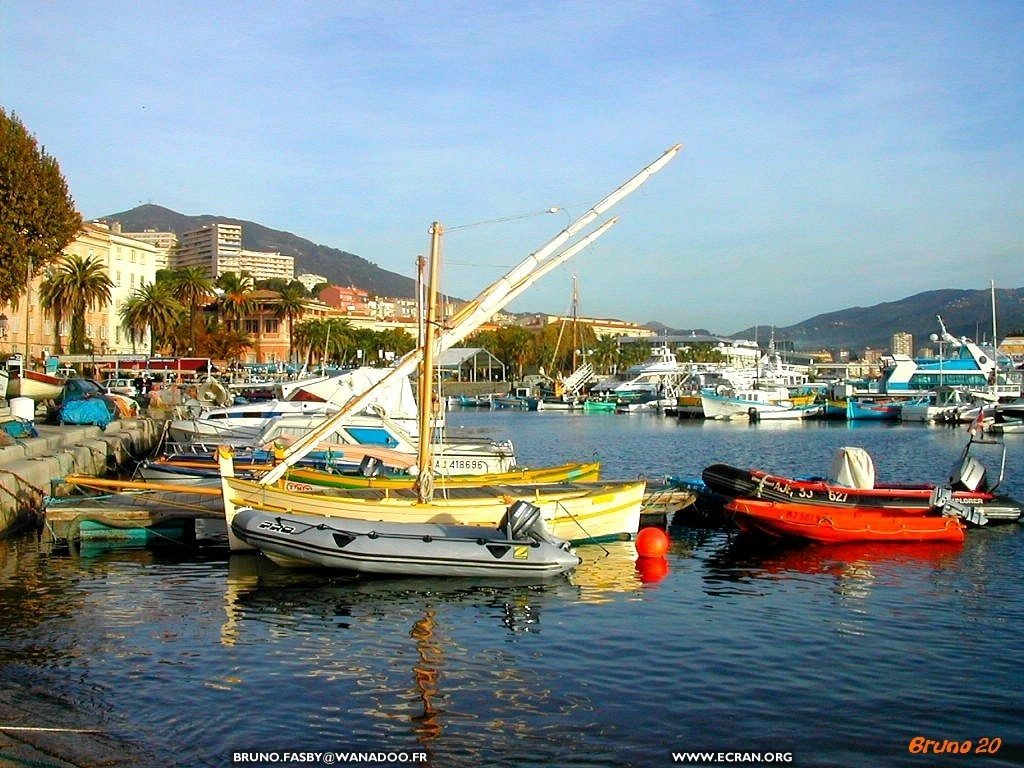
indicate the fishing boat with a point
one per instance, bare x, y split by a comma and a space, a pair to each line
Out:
1006, 427
728, 404
866, 409
194, 466
829, 524
796, 413
596, 405
575, 511
851, 484
518, 547
946, 404
33, 384
474, 401
522, 398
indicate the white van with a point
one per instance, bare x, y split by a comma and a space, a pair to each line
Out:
120, 387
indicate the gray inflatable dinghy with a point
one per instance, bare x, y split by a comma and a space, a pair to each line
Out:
519, 547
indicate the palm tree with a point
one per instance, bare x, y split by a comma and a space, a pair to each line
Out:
75, 287
52, 298
227, 344
292, 304
152, 306
192, 288
236, 302
606, 354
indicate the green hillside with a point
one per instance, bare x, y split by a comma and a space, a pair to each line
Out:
339, 267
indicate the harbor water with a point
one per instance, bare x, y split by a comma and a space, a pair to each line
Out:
732, 651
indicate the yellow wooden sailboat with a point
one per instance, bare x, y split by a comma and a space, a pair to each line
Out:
571, 511
305, 480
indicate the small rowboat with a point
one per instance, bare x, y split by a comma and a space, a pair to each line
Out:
35, 385
519, 547
829, 524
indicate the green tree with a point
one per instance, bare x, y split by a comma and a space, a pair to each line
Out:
223, 343
324, 340
76, 286
236, 300
292, 304
605, 356
192, 288
152, 306
37, 215
395, 340
700, 352
53, 298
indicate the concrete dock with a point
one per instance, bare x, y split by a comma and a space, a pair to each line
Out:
32, 468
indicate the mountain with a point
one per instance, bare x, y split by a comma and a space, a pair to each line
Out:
339, 267
964, 312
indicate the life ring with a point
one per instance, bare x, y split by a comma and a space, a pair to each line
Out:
212, 392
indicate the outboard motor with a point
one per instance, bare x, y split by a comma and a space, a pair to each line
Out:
969, 476
520, 520
370, 466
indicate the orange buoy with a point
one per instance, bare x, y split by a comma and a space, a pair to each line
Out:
651, 542
651, 569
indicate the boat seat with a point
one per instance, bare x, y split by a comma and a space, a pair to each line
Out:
852, 467
370, 466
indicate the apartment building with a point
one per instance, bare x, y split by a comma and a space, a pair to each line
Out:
902, 343
348, 299
600, 326
164, 242
130, 264
217, 248
267, 265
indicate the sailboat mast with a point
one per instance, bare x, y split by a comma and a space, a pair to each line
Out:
995, 343
493, 299
575, 326
425, 485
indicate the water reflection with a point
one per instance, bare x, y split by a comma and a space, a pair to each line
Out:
428, 725
854, 566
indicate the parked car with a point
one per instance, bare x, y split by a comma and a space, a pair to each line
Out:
120, 387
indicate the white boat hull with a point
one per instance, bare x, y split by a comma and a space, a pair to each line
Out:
785, 414
34, 385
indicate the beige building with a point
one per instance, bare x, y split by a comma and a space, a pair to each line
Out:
217, 248
1013, 346
267, 265
600, 326
130, 264
164, 242
902, 343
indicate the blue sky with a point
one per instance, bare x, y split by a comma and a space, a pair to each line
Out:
835, 154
